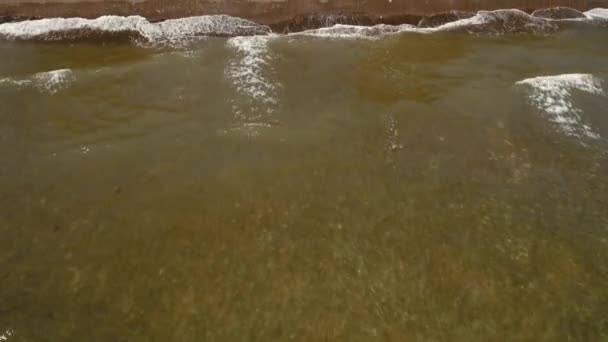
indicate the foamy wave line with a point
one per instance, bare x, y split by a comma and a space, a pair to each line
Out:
552, 95
484, 22
354, 31
49, 81
177, 31
503, 21
499, 22
597, 13
166, 31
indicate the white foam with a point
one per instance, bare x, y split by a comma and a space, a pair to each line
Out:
49, 81
354, 31
15, 82
485, 22
55, 80
221, 25
4, 336
597, 13
248, 72
478, 19
176, 31
552, 94
499, 22
43, 28
166, 31
502, 21
545, 14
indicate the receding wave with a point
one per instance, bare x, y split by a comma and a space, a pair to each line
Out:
47, 82
553, 96
169, 31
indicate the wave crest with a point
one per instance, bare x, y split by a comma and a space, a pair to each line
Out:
504, 21
558, 13
496, 22
176, 32
353, 31
597, 13
169, 31
319, 20
49, 81
553, 95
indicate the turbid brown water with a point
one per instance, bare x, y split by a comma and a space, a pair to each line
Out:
409, 187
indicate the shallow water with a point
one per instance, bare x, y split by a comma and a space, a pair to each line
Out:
418, 187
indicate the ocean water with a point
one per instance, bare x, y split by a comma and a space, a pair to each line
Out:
205, 179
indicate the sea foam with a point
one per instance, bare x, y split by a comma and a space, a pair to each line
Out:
597, 13
48, 81
169, 31
500, 21
495, 22
179, 31
553, 95
354, 31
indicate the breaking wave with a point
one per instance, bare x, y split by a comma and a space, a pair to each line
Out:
169, 31
553, 96
597, 13
319, 20
559, 13
177, 31
47, 82
496, 22
354, 31
500, 22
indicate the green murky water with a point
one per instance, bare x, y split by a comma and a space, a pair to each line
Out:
405, 188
